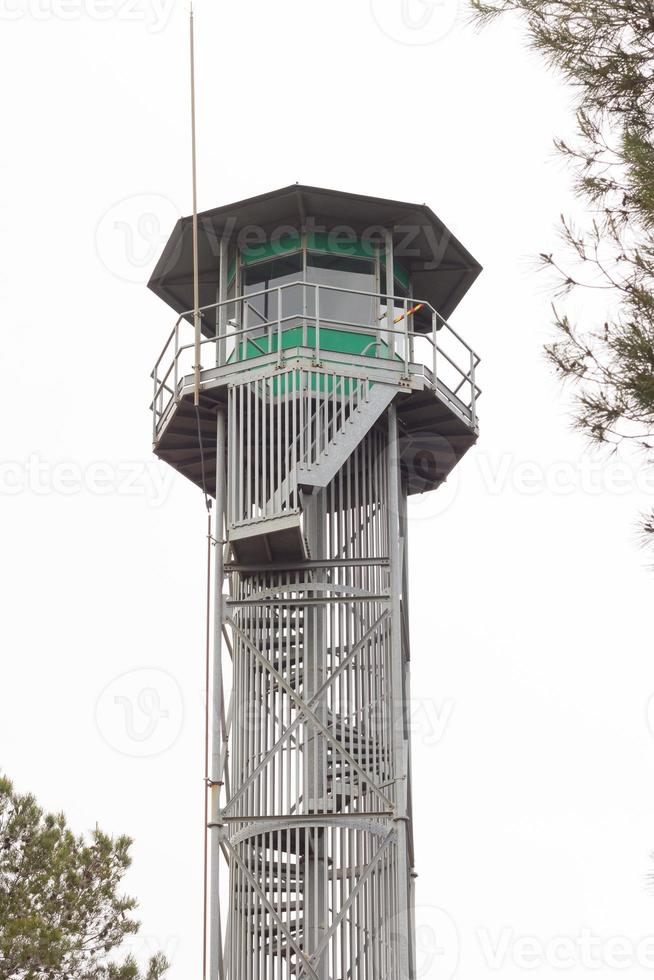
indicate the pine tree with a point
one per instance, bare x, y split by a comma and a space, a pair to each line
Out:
604, 49
61, 910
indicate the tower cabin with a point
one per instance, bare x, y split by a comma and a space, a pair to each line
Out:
308, 338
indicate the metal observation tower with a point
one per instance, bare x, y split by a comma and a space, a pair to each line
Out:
331, 386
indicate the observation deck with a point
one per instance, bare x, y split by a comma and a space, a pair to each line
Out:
433, 374
310, 326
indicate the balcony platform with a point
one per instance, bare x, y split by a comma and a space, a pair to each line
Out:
436, 428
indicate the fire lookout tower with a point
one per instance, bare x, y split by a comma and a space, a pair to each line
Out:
331, 388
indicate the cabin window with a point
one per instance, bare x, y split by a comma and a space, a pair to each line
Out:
343, 273
268, 276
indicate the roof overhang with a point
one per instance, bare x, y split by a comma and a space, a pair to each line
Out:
441, 268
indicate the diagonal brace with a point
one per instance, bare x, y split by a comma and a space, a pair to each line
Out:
308, 713
306, 965
316, 697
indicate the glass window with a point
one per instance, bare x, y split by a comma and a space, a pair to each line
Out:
348, 273
269, 275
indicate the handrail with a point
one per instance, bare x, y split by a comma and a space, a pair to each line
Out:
350, 327
399, 300
243, 305
165, 347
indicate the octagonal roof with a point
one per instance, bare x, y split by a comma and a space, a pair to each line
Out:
442, 269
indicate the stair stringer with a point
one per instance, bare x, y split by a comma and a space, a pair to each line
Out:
357, 426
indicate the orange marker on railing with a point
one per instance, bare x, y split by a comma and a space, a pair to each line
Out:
415, 309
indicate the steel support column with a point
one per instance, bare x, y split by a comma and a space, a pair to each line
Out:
216, 966
399, 705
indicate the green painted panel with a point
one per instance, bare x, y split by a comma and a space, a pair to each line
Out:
257, 251
337, 244
331, 339
323, 383
340, 243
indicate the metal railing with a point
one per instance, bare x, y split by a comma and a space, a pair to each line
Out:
279, 425
450, 362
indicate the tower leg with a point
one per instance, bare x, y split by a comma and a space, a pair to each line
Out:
403, 936
216, 967
315, 761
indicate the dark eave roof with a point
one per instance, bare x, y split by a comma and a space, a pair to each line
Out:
442, 269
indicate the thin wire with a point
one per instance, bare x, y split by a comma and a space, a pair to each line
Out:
207, 498
207, 502
206, 754
196, 273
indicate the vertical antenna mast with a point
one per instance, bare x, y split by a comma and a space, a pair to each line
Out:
196, 402
196, 274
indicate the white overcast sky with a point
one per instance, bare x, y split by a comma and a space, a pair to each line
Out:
531, 601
